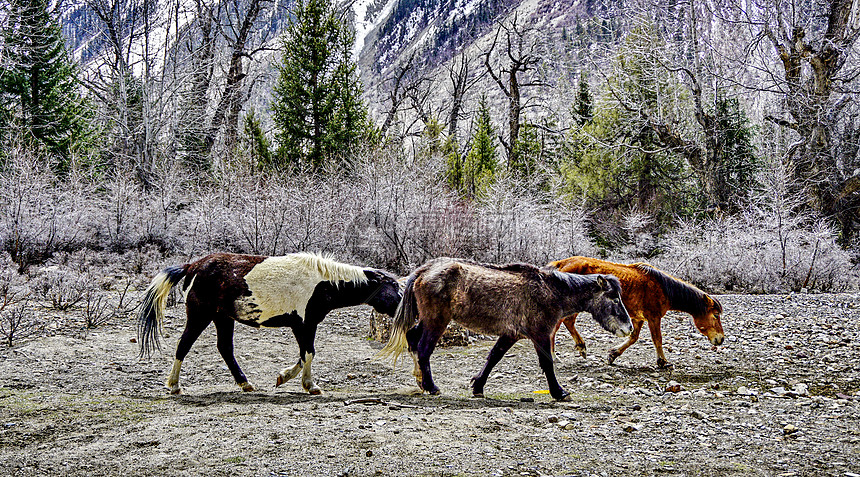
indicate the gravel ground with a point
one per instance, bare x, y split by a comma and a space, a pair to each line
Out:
779, 398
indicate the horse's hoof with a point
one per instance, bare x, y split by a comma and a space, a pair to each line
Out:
611, 357
435, 392
664, 364
247, 387
582, 353
280, 381
176, 390
314, 390
564, 397
478, 395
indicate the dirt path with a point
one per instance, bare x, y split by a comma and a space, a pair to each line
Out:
82, 405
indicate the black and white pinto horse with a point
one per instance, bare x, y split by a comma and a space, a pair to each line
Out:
295, 290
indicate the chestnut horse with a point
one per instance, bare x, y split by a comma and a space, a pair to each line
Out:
648, 294
509, 301
295, 290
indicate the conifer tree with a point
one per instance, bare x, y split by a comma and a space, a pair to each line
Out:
479, 166
318, 111
38, 85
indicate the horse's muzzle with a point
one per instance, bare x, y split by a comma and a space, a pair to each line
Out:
716, 339
624, 331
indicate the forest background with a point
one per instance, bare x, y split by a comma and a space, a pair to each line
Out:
717, 140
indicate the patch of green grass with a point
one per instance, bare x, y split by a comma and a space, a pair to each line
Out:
667, 463
235, 460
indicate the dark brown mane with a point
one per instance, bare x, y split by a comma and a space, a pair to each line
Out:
682, 296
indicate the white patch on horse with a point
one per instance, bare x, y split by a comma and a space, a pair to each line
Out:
307, 379
282, 285
172, 382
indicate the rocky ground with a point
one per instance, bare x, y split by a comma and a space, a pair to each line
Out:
779, 398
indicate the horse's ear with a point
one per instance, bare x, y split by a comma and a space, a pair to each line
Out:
371, 274
603, 283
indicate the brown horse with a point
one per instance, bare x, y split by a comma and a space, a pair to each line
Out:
648, 294
509, 301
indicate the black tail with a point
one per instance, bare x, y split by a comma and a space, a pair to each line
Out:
152, 309
404, 319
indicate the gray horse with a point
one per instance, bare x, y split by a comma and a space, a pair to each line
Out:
509, 301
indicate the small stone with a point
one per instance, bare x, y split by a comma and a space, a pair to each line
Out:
674, 387
789, 429
779, 391
369, 453
565, 425
132, 340
527, 399
699, 415
631, 428
552, 419
745, 391
351, 376
789, 347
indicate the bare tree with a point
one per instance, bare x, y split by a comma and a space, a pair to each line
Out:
462, 79
818, 85
237, 32
407, 91
517, 57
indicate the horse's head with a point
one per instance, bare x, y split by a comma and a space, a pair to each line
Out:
385, 293
709, 324
607, 308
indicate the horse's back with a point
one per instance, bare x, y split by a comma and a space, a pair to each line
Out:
490, 299
639, 290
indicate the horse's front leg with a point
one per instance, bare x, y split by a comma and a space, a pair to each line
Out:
542, 345
224, 327
305, 334
287, 374
503, 344
308, 352
634, 335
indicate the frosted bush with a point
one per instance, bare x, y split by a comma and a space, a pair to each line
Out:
745, 253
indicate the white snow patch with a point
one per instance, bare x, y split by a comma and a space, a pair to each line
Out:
364, 25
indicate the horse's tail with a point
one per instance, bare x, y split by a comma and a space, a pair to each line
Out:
404, 319
152, 308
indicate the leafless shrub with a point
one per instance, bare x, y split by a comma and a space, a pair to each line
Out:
60, 287
96, 309
772, 246
17, 322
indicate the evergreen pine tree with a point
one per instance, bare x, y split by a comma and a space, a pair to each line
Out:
38, 83
583, 108
318, 111
479, 167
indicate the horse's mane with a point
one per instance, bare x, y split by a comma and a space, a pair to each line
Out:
574, 280
329, 269
682, 296
517, 267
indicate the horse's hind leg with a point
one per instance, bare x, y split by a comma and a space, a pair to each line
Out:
657, 338
542, 346
224, 326
503, 344
426, 345
413, 336
194, 326
570, 324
